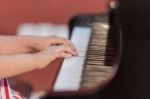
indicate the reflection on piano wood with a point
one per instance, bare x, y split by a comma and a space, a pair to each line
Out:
96, 64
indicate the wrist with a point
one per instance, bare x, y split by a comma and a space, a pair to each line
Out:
30, 42
36, 43
42, 60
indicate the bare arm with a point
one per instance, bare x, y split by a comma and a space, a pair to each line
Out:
11, 65
15, 44
25, 44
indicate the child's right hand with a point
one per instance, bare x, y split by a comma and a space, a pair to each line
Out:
50, 54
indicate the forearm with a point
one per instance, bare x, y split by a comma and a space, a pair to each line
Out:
12, 65
15, 44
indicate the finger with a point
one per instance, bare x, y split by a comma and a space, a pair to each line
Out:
65, 55
57, 40
68, 49
69, 43
62, 41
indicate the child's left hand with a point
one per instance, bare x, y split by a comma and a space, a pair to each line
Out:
41, 43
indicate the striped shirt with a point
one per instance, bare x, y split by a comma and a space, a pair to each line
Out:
6, 92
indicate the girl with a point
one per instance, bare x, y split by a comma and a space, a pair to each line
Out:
21, 54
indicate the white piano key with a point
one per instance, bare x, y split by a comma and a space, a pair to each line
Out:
81, 36
81, 53
70, 74
67, 75
73, 60
76, 66
65, 86
70, 68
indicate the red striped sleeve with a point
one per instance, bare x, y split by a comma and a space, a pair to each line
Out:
7, 93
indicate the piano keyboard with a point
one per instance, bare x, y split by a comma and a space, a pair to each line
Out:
95, 63
69, 77
101, 57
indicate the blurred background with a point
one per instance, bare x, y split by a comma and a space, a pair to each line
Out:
14, 13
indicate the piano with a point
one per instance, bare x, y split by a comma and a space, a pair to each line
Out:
98, 41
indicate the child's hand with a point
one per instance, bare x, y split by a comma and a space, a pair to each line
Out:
41, 43
50, 54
